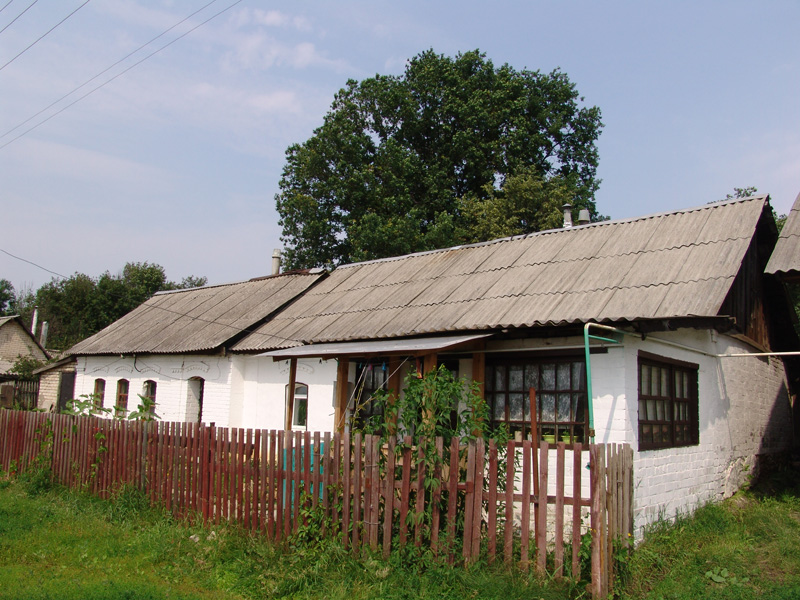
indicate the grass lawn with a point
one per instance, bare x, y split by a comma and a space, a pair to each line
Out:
57, 544
746, 547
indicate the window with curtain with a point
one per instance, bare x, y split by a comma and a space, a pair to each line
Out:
560, 391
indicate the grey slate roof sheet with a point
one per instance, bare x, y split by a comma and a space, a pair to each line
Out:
786, 256
199, 319
660, 266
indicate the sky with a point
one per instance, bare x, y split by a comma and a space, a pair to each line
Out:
173, 156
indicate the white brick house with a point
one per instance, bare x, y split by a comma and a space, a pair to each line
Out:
681, 295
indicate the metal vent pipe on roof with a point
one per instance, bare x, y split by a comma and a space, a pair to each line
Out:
35, 320
276, 261
567, 216
43, 336
583, 217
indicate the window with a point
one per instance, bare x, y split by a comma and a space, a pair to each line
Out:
300, 413
668, 404
122, 397
560, 385
194, 400
99, 393
370, 377
149, 392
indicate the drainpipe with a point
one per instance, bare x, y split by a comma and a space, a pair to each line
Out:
586, 337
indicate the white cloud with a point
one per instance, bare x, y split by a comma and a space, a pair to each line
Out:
52, 159
270, 18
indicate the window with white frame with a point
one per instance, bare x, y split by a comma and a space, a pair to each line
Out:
300, 407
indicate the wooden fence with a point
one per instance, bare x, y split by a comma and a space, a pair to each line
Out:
367, 493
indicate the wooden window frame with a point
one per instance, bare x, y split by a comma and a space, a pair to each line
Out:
149, 390
99, 394
677, 399
121, 402
572, 428
364, 407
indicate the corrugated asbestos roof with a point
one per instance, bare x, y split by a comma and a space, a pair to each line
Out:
785, 258
665, 265
198, 319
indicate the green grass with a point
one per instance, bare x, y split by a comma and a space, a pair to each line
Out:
746, 547
57, 544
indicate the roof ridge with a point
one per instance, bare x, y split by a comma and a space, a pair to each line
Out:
536, 263
314, 271
610, 222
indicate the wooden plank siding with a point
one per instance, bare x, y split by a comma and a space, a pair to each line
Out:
373, 494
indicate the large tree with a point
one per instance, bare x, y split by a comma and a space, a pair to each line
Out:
408, 163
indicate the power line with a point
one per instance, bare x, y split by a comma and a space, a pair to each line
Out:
6, 6
34, 264
165, 46
106, 70
18, 16
37, 40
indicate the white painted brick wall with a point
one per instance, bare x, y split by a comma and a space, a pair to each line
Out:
171, 374
744, 413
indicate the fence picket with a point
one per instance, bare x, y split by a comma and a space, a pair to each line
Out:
541, 509
559, 516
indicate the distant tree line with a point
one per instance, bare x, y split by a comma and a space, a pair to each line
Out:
79, 306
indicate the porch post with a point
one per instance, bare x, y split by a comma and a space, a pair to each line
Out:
290, 396
340, 410
430, 361
479, 370
394, 389
429, 364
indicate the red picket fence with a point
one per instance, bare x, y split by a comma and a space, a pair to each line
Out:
370, 494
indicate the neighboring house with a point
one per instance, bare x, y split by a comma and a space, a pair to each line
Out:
56, 384
785, 259
685, 372
686, 288
16, 341
785, 265
174, 350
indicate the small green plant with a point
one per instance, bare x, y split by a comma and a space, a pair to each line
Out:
145, 410
725, 577
434, 405
24, 366
86, 405
38, 477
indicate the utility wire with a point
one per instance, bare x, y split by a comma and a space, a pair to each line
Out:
106, 70
164, 47
37, 40
6, 6
34, 264
18, 16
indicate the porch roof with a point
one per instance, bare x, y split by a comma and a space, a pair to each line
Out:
376, 347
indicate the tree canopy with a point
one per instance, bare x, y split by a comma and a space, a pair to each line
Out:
452, 151
79, 306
